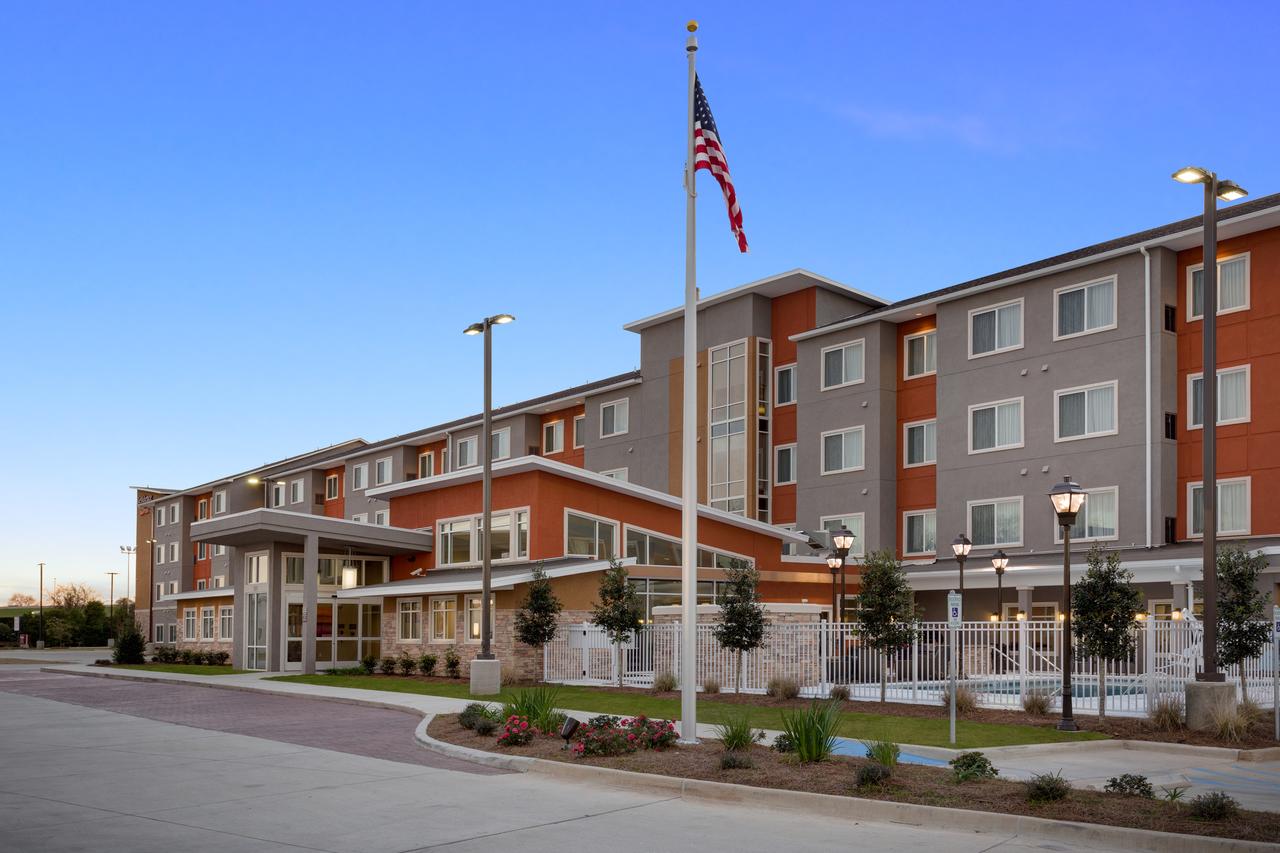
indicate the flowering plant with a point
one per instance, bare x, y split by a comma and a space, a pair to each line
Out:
651, 734
516, 732
613, 736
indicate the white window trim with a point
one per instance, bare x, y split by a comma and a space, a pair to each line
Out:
1022, 425
822, 450
202, 550
300, 485
614, 472
213, 624
475, 519
619, 539
474, 441
337, 487
702, 546
1248, 506
391, 474
363, 468
201, 585
906, 355
160, 548
431, 621
1057, 528
1248, 395
625, 401
906, 445
578, 433
362, 517
385, 516
560, 449
494, 434
792, 368
1022, 327
219, 501
1248, 285
422, 615
427, 454
778, 481
226, 614
173, 552
1022, 521
1114, 384
861, 344
279, 495
1115, 306
921, 512
859, 543
175, 513
219, 550
466, 622
159, 516
202, 509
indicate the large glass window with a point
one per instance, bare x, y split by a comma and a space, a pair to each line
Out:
842, 450
500, 444
649, 549
784, 468
920, 532
1085, 412
921, 443
995, 329
465, 452
382, 471
853, 523
727, 398
842, 365
189, 624
921, 354
995, 426
1086, 308
454, 545
473, 617
331, 487
1233, 397
589, 536
1097, 518
1233, 507
614, 418
553, 437
426, 464
1233, 287
996, 522
409, 619
444, 616
785, 385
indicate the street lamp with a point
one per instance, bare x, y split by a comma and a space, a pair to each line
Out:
111, 608
151, 587
1000, 562
1067, 498
960, 546
842, 544
834, 563
128, 551
489, 673
1214, 190
40, 639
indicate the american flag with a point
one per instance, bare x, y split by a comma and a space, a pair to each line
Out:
708, 154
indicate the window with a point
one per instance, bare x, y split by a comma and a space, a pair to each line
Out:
159, 633
1084, 308
784, 384
173, 552
219, 581
1170, 426
295, 492
473, 618
159, 591
727, 425
842, 365
996, 522
159, 516
1085, 412
382, 471
225, 622
553, 437
465, 452
500, 444
1233, 287
589, 536
160, 555
202, 584
784, 465
1170, 318
331, 487
219, 502
409, 620
920, 443
1233, 507
202, 551
921, 354
613, 418
277, 494
175, 513
173, 632
458, 542
255, 568
650, 549
501, 545
1233, 397
359, 476
842, 450
455, 542
362, 517
995, 426
579, 430
444, 614
219, 550
852, 523
381, 517
189, 623
616, 474
995, 329
1097, 519
426, 464
206, 623
173, 588
920, 532
202, 509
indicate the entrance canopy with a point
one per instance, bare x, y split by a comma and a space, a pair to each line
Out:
445, 581
255, 526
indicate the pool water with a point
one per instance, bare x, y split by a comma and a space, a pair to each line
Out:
856, 749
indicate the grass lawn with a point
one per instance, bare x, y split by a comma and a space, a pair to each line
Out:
183, 668
925, 731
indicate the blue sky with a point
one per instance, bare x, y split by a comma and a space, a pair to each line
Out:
233, 232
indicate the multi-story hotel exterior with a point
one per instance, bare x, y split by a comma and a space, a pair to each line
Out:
819, 405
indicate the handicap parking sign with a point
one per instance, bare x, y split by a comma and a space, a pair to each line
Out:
953, 609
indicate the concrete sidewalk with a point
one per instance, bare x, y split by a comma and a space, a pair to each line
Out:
1088, 764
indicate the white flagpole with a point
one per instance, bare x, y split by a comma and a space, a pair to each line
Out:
689, 442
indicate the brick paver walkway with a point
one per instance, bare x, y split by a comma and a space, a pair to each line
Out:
373, 732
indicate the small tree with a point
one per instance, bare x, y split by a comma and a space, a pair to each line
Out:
536, 620
1103, 604
130, 646
887, 611
1243, 629
741, 626
618, 611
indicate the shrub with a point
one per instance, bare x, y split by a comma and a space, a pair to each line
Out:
872, 774
1229, 722
1252, 711
1215, 805
650, 734
665, 682
883, 752
387, 666
486, 726
1132, 784
221, 658
970, 766
1038, 703
1173, 793
812, 730
1167, 714
1047, 787
603, 721
187, 656
783, 743
452, 663
368, 664
736, 732
840, 692
966, 699
516, 732
537, 705
736, 761
427, 664
131, 648
603, 740
407, 665
710, 685
165, 654
344, 670
475, 712
508, 676
783, 687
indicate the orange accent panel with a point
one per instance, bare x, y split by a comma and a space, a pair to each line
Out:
917, 401
337, 507
791, 314
570, 455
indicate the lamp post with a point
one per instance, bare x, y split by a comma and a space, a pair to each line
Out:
489, 677
151, 588
40, 637
111, 608
1214, 190
834, 563
1000, 562
960, 546
1067, 498
128, 551
842, 544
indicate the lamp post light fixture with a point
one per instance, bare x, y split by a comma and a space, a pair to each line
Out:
961, 546
111, 609
1067, 499
1214, 190
129, 551
842, 544
834, 563
485, 328
999, 562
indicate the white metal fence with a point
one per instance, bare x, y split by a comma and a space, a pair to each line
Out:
1000, 661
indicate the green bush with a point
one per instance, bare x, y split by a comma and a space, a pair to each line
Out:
131, 647
345, 670
427, 664
1037, 703
452, 663
603, 721
7, 634
387, 666
187, 656
783, 687
736, 732
221, 658
969, 766
537, 705
870, 775
164, 654
783, 743
603, 740
486, 726
516, 731
1214, 805
1173, 793
883, 752
1132, 784
407, 665
736, 761
1047, 787
475, 712
840, 692
812, 730
665, 682
369, 663
710, 685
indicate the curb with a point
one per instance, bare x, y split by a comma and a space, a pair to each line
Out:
849, 808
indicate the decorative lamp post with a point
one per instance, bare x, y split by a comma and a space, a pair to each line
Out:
111, 609
842, 542
999, 562
961, 546
1067, 498
834, 563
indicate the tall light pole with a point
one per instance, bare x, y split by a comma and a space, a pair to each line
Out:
960, 546
40, 637
487, 678
1000, 562
151, 588
111, 607
841, 545
1214, 190
128, 551
1067, 498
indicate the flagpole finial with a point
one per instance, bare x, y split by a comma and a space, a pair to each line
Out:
692, 26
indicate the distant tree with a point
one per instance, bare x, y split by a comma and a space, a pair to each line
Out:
539, 614
741, 626
1103, 604
93, 625
70, 596
130, 646
1243, 629
618, 612
887, 611
21, 599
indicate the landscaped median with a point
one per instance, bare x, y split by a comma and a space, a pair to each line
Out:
182, 668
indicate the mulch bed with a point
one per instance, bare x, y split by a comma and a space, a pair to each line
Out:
930, 786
